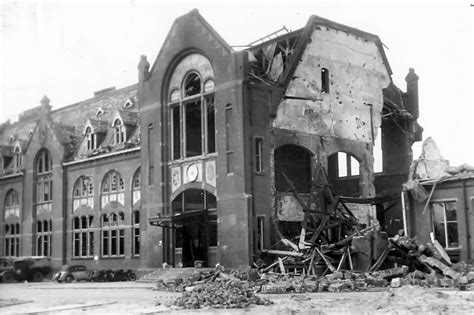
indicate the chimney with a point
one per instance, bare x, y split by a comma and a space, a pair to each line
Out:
143, 69
45, 107
412, 93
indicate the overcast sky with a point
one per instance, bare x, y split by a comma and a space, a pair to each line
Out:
69, 49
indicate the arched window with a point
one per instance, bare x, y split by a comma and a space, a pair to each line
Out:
119, 131
11, 205
44, 181
91, 139
83, 193
12, 240
112, 188
136, 233
113, 235
43, 237
83, 244
192, 112
136, 184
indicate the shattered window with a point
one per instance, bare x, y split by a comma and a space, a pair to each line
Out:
445, 223
192, 84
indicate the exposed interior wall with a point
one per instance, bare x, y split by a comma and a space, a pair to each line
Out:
357, 76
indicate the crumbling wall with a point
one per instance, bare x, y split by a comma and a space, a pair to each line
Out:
351, 109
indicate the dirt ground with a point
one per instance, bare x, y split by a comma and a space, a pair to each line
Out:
138, 298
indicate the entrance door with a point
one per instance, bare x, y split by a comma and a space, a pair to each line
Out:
194, 214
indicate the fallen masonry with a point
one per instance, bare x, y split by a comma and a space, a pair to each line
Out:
220, 288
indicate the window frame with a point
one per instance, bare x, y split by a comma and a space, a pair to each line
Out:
115, 231
81, 232
177, 109
445, 222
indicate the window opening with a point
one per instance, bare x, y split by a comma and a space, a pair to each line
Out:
445, 223
83, 193
11, 240
324, 80
119, 131
83, 244
11, 206
136, 233
193, 138
113, 235
112, 188
192, 84
260, 233
43, 238
258, 154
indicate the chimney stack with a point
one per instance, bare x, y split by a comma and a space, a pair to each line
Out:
412, 93
143, 69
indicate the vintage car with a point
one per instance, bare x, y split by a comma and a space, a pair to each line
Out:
69, 273
30, 268
7, 274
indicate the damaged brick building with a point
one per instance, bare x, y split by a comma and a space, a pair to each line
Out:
194, 161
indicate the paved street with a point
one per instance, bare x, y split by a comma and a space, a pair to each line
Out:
138, 298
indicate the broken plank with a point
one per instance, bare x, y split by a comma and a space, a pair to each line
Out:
328, 263
274, 264
289, 243
447, 271
283, 252
282, 267
381, 259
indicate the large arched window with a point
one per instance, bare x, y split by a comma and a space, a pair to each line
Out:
11, 205
192, 111
83, 245
112, 188
83, 193
113, 234
11, 247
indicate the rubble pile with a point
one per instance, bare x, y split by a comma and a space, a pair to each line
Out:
220, 294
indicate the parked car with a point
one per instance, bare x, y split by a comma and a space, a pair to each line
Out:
70, 273
31, 268
7, 274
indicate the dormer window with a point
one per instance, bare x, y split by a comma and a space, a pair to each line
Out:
119, 131
17, 157
99, 113
128, 104
91, 139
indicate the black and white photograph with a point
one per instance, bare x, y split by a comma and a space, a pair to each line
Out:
236, 157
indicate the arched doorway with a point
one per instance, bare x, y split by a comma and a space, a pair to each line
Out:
195, 233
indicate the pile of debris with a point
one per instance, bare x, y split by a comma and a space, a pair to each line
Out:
216, 289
